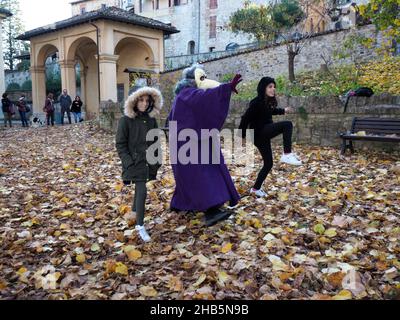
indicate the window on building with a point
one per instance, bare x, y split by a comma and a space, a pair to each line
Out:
213, 27
83, 9
157, 4
211, 49
213, 4
191, 47
140, 5
177, 2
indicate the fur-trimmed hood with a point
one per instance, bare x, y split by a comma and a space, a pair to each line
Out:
134, 97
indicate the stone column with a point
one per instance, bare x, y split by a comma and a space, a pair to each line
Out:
68, 76
38, 88
108, 77
2, 80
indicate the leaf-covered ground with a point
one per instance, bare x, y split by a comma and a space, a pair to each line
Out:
328, 230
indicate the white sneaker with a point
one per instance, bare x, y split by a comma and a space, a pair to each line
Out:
259, 193
291, 158
143, 233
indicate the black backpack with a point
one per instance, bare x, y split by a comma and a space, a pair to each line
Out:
360, 92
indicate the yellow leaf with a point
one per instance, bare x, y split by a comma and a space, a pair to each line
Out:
226, 248
21, 271
121, 268
67, 213
343, 295
330, 232
65, 200
124, 209
35, 221
283, 196
64, 226
81, 258
370, 195
118, 187
222, 277
66, 166
256, 223
148, 291
319, 228
132, 253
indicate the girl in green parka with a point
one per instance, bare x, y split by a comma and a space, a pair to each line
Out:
139, 118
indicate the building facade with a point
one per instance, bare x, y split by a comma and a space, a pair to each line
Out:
106, 44
204, 23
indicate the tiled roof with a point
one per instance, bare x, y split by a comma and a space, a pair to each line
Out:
107, 13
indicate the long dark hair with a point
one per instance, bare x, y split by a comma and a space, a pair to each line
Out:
270, 102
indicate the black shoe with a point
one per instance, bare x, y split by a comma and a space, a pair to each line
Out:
213, 218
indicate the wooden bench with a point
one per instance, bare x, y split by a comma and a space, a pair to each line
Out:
376, 129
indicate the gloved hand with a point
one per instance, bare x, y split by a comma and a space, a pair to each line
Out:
236, 80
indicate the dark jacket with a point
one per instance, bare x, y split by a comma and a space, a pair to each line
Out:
21, 104
76, 106
49, 106
65, 102
259, 112
5, 105
131, 141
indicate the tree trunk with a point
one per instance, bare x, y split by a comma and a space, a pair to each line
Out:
291, 56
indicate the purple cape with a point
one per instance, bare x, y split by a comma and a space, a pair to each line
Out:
200, 186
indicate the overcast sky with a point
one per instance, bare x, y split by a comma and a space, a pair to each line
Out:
37, 13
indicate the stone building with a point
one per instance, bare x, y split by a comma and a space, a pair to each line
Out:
203, 23
106, 43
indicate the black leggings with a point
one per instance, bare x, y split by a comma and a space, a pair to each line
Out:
50, 116
263, 144
139, 201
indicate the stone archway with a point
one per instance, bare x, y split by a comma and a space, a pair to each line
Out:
83, 51
132, 53
104, 42
38, 72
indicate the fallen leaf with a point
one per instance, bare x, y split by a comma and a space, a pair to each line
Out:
226, 248
148, 291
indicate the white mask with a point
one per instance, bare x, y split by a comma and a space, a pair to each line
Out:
202, 81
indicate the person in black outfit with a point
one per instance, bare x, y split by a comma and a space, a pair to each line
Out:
76, 109
259, 118
6, 108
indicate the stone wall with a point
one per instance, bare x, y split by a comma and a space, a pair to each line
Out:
317, 120
273, 60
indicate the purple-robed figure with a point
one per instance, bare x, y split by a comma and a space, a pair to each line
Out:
201, 185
